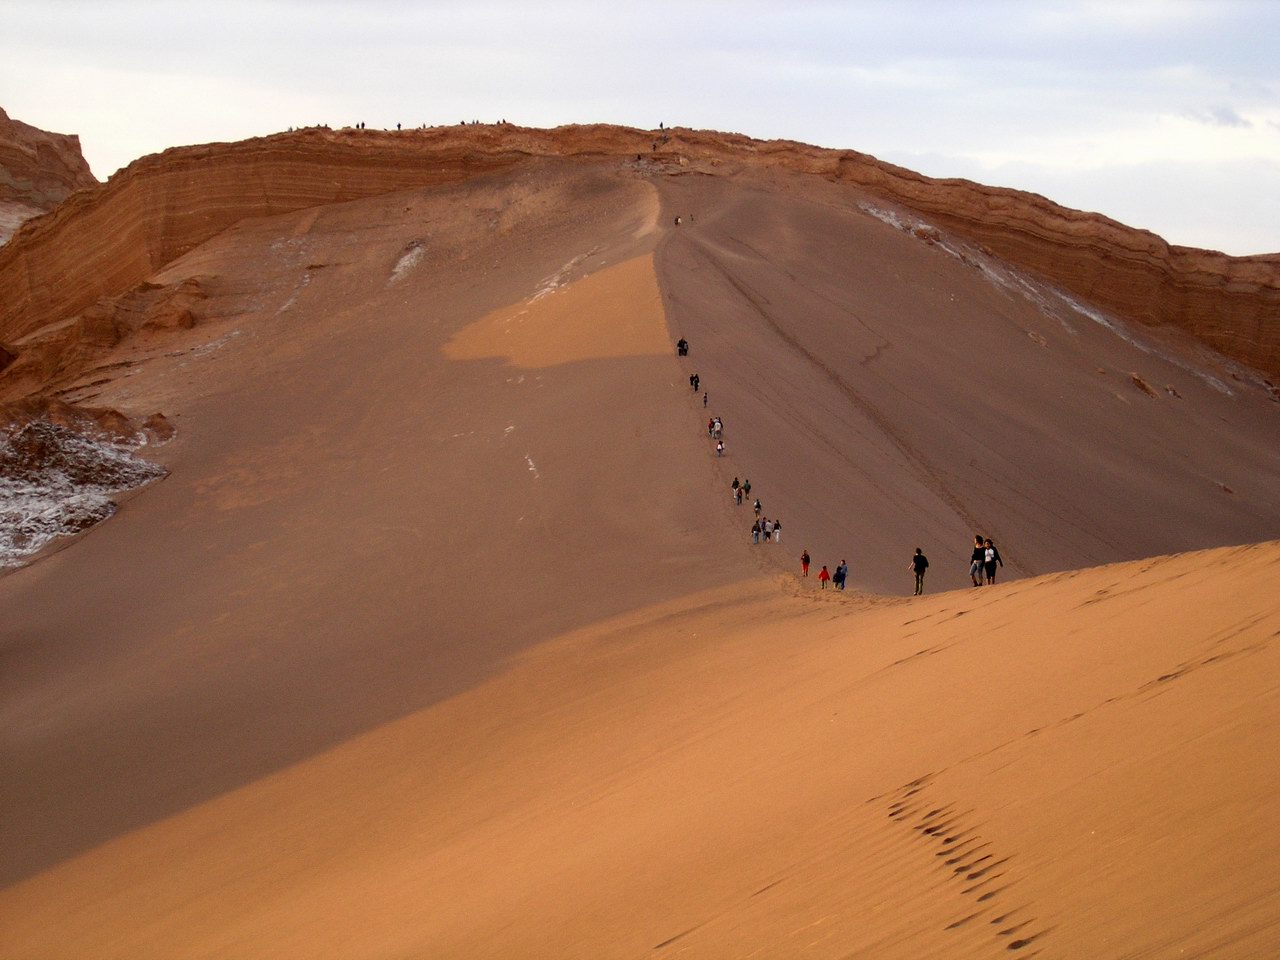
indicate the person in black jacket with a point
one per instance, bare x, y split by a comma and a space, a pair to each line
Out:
975, 562
919, 563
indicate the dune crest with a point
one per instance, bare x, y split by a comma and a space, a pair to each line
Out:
1071, 766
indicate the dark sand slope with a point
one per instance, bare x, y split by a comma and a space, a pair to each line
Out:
356, 525
1073, 766
881, 394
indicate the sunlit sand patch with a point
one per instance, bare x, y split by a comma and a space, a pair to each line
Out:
616, 312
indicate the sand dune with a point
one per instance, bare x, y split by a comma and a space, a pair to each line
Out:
885, 392
1076, 765
443, 638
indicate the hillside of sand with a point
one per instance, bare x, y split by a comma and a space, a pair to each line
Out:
443, 637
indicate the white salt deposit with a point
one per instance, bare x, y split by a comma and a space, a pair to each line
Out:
55, 483
409, 259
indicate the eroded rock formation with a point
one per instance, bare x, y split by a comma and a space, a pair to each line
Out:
38, 170
60, 465
107, 240
48, 359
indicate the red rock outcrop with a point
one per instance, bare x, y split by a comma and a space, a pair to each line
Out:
101, 423
38, 170
54, 356
107, 240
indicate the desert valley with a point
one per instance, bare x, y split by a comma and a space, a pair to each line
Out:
372, 587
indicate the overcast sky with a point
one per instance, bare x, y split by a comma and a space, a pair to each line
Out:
1164, 114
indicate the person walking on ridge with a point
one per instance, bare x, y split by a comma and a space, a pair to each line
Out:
975, 561
757, 506
719, 448
919, 563
842, 574
777, 531
823, 577
746, 487
704, 400
755, 532
804, 563
991, 557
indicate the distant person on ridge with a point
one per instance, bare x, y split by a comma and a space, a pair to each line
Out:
919, 563
823, 576
755, 532
991, 557
804, 563
746, 488
682, 347
719, 448
757, 506
842, 574
704, 401
975, 562
777, 531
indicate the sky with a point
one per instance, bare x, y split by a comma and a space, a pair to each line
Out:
1162, 114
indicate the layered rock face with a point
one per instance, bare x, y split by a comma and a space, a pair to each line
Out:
106, 241
38, 170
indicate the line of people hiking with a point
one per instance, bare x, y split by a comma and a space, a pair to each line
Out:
984, 561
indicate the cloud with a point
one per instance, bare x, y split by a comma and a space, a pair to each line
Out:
1218, 116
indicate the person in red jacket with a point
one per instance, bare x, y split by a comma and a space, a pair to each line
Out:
823, 576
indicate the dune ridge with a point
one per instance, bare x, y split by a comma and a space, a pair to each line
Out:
1069, 766
112, 237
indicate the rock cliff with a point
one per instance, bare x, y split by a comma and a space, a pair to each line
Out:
38, 170
105, 241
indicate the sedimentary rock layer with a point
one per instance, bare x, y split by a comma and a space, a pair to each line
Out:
38, 170
105, 241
